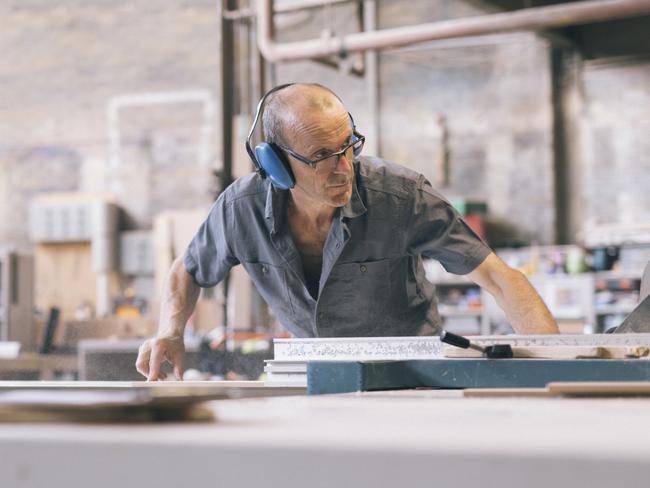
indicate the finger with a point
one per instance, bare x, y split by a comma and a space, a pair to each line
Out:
178, 372
157, 355
179, 365
142, 363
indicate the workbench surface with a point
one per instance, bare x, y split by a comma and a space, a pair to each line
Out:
401, 438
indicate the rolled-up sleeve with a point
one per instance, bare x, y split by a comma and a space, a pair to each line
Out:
437, 231
209, 257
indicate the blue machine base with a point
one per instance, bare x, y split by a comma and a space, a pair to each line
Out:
350, 376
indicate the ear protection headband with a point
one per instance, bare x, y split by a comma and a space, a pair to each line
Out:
270, 160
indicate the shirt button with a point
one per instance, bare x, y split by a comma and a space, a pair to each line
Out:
338, 244
265, 269
363, 268
321, 315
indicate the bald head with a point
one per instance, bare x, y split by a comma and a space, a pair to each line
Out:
290, 108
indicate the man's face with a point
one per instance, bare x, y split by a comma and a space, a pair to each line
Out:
330, 181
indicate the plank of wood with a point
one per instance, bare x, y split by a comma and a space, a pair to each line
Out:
600, 388
559, 352
623, 352
573, 388
233, 389
535, 352
108, 405
64, 277
426, 347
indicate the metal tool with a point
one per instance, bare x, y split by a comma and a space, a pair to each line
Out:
498, 351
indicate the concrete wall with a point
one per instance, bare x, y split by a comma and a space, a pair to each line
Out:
62, 63
608, 104
493, 93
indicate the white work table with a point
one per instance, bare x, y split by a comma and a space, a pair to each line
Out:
381, 439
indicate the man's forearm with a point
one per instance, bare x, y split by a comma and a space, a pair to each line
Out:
523, 306
525, 309
179, 297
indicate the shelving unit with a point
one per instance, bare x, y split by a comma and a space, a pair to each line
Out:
460, 305
460, 301
581, 303
615, 296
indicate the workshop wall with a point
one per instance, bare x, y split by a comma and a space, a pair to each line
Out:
490, 98
608, 105
62, 63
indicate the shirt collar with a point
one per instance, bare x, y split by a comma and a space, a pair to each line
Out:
276, 201
355, 207
275, 204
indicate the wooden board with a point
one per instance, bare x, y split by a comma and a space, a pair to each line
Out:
64, 277
426, 347
558, 352
600, 388
625, 352
231, 389
100, 405
123, 401
579, 388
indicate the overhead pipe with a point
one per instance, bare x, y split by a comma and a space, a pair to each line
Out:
536, 18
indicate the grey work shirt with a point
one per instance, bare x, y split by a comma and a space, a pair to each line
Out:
372, 281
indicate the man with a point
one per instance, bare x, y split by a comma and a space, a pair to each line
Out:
340, 252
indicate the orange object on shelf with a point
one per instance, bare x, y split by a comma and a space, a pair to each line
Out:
476, 223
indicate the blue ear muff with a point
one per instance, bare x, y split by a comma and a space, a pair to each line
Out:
274, 164
269, 160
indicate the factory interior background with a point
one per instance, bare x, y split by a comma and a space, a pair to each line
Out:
121, 122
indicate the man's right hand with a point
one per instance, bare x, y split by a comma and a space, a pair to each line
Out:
161, 348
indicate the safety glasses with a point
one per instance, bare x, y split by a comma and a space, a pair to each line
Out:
356, 144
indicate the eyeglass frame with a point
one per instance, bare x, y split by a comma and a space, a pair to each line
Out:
357, 138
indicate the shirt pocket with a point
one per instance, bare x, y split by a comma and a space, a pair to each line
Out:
360, 295
271, 283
